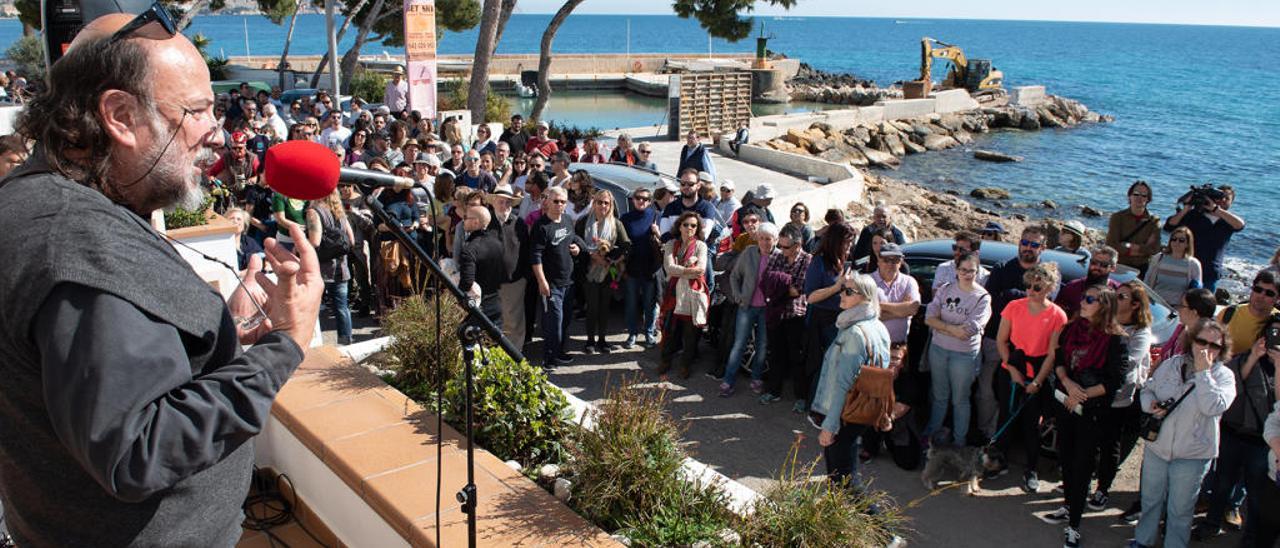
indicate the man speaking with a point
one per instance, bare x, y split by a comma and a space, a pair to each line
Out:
128, 406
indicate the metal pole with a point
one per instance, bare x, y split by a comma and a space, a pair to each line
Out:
246, 39
628, 42
333, 52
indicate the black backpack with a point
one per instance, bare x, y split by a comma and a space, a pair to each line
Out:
333, 240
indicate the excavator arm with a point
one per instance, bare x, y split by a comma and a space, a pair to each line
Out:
931, 49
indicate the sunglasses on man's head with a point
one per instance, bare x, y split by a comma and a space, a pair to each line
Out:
1028, 243
157, 13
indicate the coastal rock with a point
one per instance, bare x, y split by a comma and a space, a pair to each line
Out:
1048, 118
921, 129
818, 146
961, 136
912, 147
939, 142
834, 155
861, 135
1030, 122
880, 158
856, 157
1090, 212
894, 143
951, 122
990, 193
993, 156
1019, 216
797, 138
1049, 204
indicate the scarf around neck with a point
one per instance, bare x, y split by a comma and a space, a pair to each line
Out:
1085, 347
854, 315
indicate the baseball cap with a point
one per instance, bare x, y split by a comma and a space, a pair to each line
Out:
542, 123
890, 249
239, 138
706, 177
727, 184
765, 192
993, 226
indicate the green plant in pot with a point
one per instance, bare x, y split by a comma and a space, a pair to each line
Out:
183, 218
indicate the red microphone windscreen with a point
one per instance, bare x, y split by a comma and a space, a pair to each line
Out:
302, 170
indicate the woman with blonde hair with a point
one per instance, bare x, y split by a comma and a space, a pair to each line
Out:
328, 216
1028, 326
1175, 269
607, 244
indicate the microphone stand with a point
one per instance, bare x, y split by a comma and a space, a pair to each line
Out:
473, 327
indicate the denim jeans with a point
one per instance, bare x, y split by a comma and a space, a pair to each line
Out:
640, 299
1168, 486
337, 295
952, 376
749, 317
556, 312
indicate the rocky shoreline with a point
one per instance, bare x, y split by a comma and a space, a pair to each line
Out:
884, 144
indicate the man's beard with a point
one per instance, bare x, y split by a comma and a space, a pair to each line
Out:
173, 185
1027, 256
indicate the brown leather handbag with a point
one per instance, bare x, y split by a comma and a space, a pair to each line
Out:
870, 401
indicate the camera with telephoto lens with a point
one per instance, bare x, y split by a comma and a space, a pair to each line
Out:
1202, 196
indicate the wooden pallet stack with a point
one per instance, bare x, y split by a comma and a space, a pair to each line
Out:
710, 103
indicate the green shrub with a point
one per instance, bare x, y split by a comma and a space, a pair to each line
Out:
183, 218
368, 85
800, 511
421, 361
626, 474
453, 96
697, 513
518, 414
28, 54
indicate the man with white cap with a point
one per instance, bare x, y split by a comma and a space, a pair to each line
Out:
396, 96
728, 203
542, 142
514, 234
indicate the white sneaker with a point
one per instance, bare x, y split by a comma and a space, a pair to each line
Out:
1070, 537
1056, 517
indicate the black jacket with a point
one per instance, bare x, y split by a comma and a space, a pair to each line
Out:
481, 262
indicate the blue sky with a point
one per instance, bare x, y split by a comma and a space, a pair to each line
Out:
1202, 12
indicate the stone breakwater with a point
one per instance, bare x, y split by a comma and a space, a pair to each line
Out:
884, 144
819, 86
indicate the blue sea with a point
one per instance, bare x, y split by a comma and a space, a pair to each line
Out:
1192, 103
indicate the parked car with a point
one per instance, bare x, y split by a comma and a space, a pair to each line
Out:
923, 258
621, 180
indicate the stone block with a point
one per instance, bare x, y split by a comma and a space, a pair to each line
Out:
1027, 96
906, 108
953, 100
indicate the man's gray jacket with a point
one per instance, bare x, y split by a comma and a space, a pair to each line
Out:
128, 407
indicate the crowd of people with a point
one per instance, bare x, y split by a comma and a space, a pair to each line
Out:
1008, 349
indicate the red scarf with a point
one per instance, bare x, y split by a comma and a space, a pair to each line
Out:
1084, 347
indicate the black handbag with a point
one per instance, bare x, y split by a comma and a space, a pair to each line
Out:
1151, 424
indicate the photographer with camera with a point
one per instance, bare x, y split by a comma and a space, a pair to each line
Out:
1204, 211
1242, 456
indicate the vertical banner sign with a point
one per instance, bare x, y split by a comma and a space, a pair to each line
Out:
420, 55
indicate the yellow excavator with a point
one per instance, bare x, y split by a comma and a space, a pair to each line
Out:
975, 75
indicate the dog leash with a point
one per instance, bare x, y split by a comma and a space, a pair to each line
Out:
1012, 416
933, 493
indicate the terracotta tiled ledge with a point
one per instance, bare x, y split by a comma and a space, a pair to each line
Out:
382, 446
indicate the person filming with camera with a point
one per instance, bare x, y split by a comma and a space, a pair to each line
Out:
1204, 210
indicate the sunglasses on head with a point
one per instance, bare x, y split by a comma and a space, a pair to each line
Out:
1208, 343
1028, 243
1264, 291
157, 13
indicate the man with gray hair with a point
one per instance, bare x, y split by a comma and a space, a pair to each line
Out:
130, 403
746, 288
553, 245
881, 220
1102, 262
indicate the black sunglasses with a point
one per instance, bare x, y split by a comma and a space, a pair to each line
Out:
1264, 291
157, 13
849, 291
1210, 344
1088, 299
